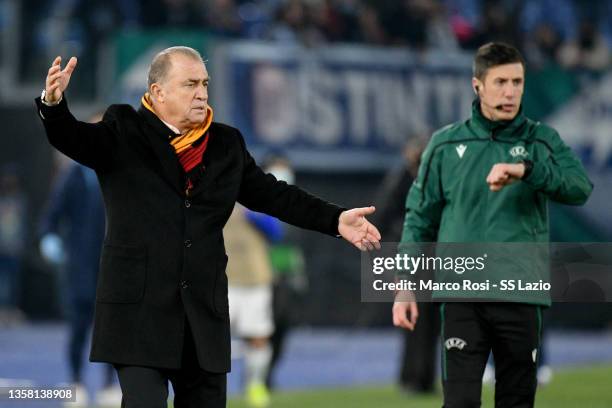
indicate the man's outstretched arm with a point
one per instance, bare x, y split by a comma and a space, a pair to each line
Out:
263, 193
88, 143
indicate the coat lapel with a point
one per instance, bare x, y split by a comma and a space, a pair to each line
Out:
158, 137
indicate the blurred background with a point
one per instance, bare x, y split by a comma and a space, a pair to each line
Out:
346, 90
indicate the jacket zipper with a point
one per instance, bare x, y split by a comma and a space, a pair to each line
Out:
486, 210
492, 135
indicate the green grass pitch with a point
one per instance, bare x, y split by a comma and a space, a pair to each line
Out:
571, 388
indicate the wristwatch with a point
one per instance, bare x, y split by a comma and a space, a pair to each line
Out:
528, 168
42, 99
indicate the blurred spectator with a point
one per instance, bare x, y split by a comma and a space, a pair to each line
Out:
293, 25
464, 17
417, 366
418, 24
171, 13
72, 232
547, 30
440, 34
498, 22
371, 31
463, 13
407, 22
588, 51
604, 13
542, 46
255, 17
91, 24
222, 18
289, 279
80, 28
12, 242
559, 16
391, 196
328, 19
35, 37
344, 20
247, 236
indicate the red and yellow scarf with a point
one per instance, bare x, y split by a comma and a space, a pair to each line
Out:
189, 146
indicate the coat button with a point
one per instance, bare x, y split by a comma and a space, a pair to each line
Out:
187, 243
184, 284
187, 203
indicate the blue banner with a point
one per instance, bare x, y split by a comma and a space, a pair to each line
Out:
337, 107
585, 123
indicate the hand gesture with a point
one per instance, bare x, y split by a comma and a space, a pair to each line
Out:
58, 79
353, 226
503, 174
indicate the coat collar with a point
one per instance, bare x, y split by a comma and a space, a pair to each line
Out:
171, 169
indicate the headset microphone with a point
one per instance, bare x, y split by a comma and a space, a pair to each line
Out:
499, 107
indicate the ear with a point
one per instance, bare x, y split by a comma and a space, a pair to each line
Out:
476, 85
157, 93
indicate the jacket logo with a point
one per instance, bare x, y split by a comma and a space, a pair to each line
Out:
455, 342
519, 151
460, 150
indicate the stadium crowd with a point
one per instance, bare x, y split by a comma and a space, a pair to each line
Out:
575, 34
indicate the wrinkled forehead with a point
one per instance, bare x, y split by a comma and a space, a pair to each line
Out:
511, 71
183, 67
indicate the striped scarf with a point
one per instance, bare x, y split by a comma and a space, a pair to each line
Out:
190, 146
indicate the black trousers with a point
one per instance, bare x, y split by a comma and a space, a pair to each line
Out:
147, 387
418, 366
470, 331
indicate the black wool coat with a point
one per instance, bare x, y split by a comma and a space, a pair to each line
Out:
163, 259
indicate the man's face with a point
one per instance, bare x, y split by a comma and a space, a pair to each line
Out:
501, 91
182, 97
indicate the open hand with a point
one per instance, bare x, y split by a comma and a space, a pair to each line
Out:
58, 79
353, 226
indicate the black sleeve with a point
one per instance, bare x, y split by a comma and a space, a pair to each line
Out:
263, 193
90, 144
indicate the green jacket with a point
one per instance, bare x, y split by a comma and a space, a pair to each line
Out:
450, 200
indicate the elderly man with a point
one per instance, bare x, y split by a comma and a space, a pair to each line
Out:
170, 177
